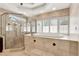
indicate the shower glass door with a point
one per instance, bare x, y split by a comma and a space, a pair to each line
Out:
14, 35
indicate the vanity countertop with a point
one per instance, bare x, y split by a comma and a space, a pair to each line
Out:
72, 37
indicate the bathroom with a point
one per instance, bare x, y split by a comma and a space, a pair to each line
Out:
39, 29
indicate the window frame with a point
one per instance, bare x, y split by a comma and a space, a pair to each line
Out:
58, 25
49, 20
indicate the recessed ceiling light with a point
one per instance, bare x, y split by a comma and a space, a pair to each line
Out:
21, 3
53, 8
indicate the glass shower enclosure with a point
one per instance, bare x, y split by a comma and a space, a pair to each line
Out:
12, 28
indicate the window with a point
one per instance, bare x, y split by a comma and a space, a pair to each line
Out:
39, 26
63, 25
45, 25
33, 26
53, 25
28, 27
9, 28
25, 27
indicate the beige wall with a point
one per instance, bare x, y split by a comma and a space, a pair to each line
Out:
74, 18
2, 11
58, 13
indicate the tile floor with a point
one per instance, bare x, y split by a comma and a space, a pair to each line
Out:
34, 52
15, 53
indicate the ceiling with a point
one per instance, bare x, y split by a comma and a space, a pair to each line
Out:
31, 9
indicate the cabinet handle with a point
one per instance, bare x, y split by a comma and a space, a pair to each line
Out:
54, 44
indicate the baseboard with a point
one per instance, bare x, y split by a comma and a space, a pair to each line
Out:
13, 49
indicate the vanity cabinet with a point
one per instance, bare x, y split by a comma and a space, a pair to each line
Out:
49, 46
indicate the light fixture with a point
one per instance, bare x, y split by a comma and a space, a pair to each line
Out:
21, 4
53, 8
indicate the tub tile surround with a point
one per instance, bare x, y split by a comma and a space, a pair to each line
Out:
71, 37
44, 46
